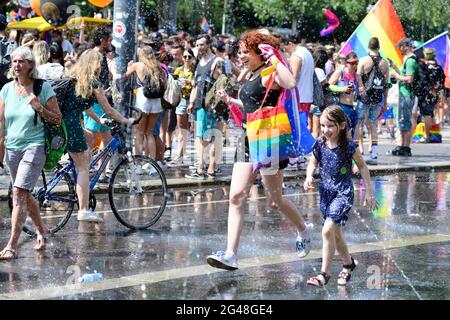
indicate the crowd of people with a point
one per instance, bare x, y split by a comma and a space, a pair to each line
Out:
358, 92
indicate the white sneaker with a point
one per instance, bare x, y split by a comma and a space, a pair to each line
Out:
148, 168
220, 260
89, 216
162, 165
303, 245
138, 170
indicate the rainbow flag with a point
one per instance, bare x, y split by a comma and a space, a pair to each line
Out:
441, 45
383, 22
204, 25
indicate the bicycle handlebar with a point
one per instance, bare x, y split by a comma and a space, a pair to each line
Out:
114, 123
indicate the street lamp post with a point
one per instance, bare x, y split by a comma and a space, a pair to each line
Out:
124, 40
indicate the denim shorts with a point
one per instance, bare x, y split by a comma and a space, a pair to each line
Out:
351, 117
25, 166
426, 109
371, 111
182, 107
405, 106
315, 111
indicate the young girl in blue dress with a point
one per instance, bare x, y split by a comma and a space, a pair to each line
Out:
333, 153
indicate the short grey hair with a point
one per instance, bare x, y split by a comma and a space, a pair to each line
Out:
24, 53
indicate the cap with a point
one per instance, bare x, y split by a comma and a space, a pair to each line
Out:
405, 42
429, 53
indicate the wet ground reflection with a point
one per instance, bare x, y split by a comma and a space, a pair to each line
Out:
195, 223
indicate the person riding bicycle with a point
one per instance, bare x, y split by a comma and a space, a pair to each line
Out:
86, 90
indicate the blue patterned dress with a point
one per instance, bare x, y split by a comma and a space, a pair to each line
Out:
336, 186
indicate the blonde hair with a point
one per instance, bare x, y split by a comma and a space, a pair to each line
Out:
40, 52
25, 54
26, 38
152, 68
86, 70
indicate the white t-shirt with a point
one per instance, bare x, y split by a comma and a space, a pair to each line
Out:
305, 81
50, 71
320, 74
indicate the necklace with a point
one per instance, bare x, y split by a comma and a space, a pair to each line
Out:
253, 72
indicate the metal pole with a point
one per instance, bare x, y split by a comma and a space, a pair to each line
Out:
224, 17
124, 40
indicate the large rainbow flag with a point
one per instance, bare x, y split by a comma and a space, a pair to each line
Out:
441, 45
383, 22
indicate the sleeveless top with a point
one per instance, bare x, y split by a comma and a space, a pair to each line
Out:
375, 59
252, 95
203, 81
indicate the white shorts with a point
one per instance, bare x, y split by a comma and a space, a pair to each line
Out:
147, 105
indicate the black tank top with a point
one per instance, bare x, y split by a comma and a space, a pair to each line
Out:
203, 81
252, 95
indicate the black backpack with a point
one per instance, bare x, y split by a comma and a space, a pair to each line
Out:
6, 48
150, 91
422, 83
375, 85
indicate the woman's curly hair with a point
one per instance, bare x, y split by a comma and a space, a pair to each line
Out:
251, 39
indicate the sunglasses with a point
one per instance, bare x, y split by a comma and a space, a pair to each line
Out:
353, 62
187, 57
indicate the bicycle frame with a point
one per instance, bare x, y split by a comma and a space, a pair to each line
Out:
106, 154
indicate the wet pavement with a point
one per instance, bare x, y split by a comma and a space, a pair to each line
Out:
402, 249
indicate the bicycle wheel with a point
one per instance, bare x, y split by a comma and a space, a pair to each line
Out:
56, 206
138, 192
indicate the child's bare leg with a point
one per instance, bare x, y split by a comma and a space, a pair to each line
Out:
341, 246
329, 245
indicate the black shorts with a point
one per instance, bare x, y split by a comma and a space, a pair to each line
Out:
426, 107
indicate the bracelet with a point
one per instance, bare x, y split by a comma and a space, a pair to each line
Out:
42, 109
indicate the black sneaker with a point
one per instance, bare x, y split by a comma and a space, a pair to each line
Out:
406, 152
396, 151
195, 175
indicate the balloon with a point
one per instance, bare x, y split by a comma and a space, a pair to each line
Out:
36, 6
333, 23
100, 3
55, 11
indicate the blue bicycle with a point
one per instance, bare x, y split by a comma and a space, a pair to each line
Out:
137, 188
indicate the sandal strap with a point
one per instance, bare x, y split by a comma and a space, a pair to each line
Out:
325, 276
351, 266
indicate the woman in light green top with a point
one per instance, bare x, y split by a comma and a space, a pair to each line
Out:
24, 143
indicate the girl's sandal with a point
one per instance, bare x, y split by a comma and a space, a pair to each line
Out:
344, 276
317, 282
